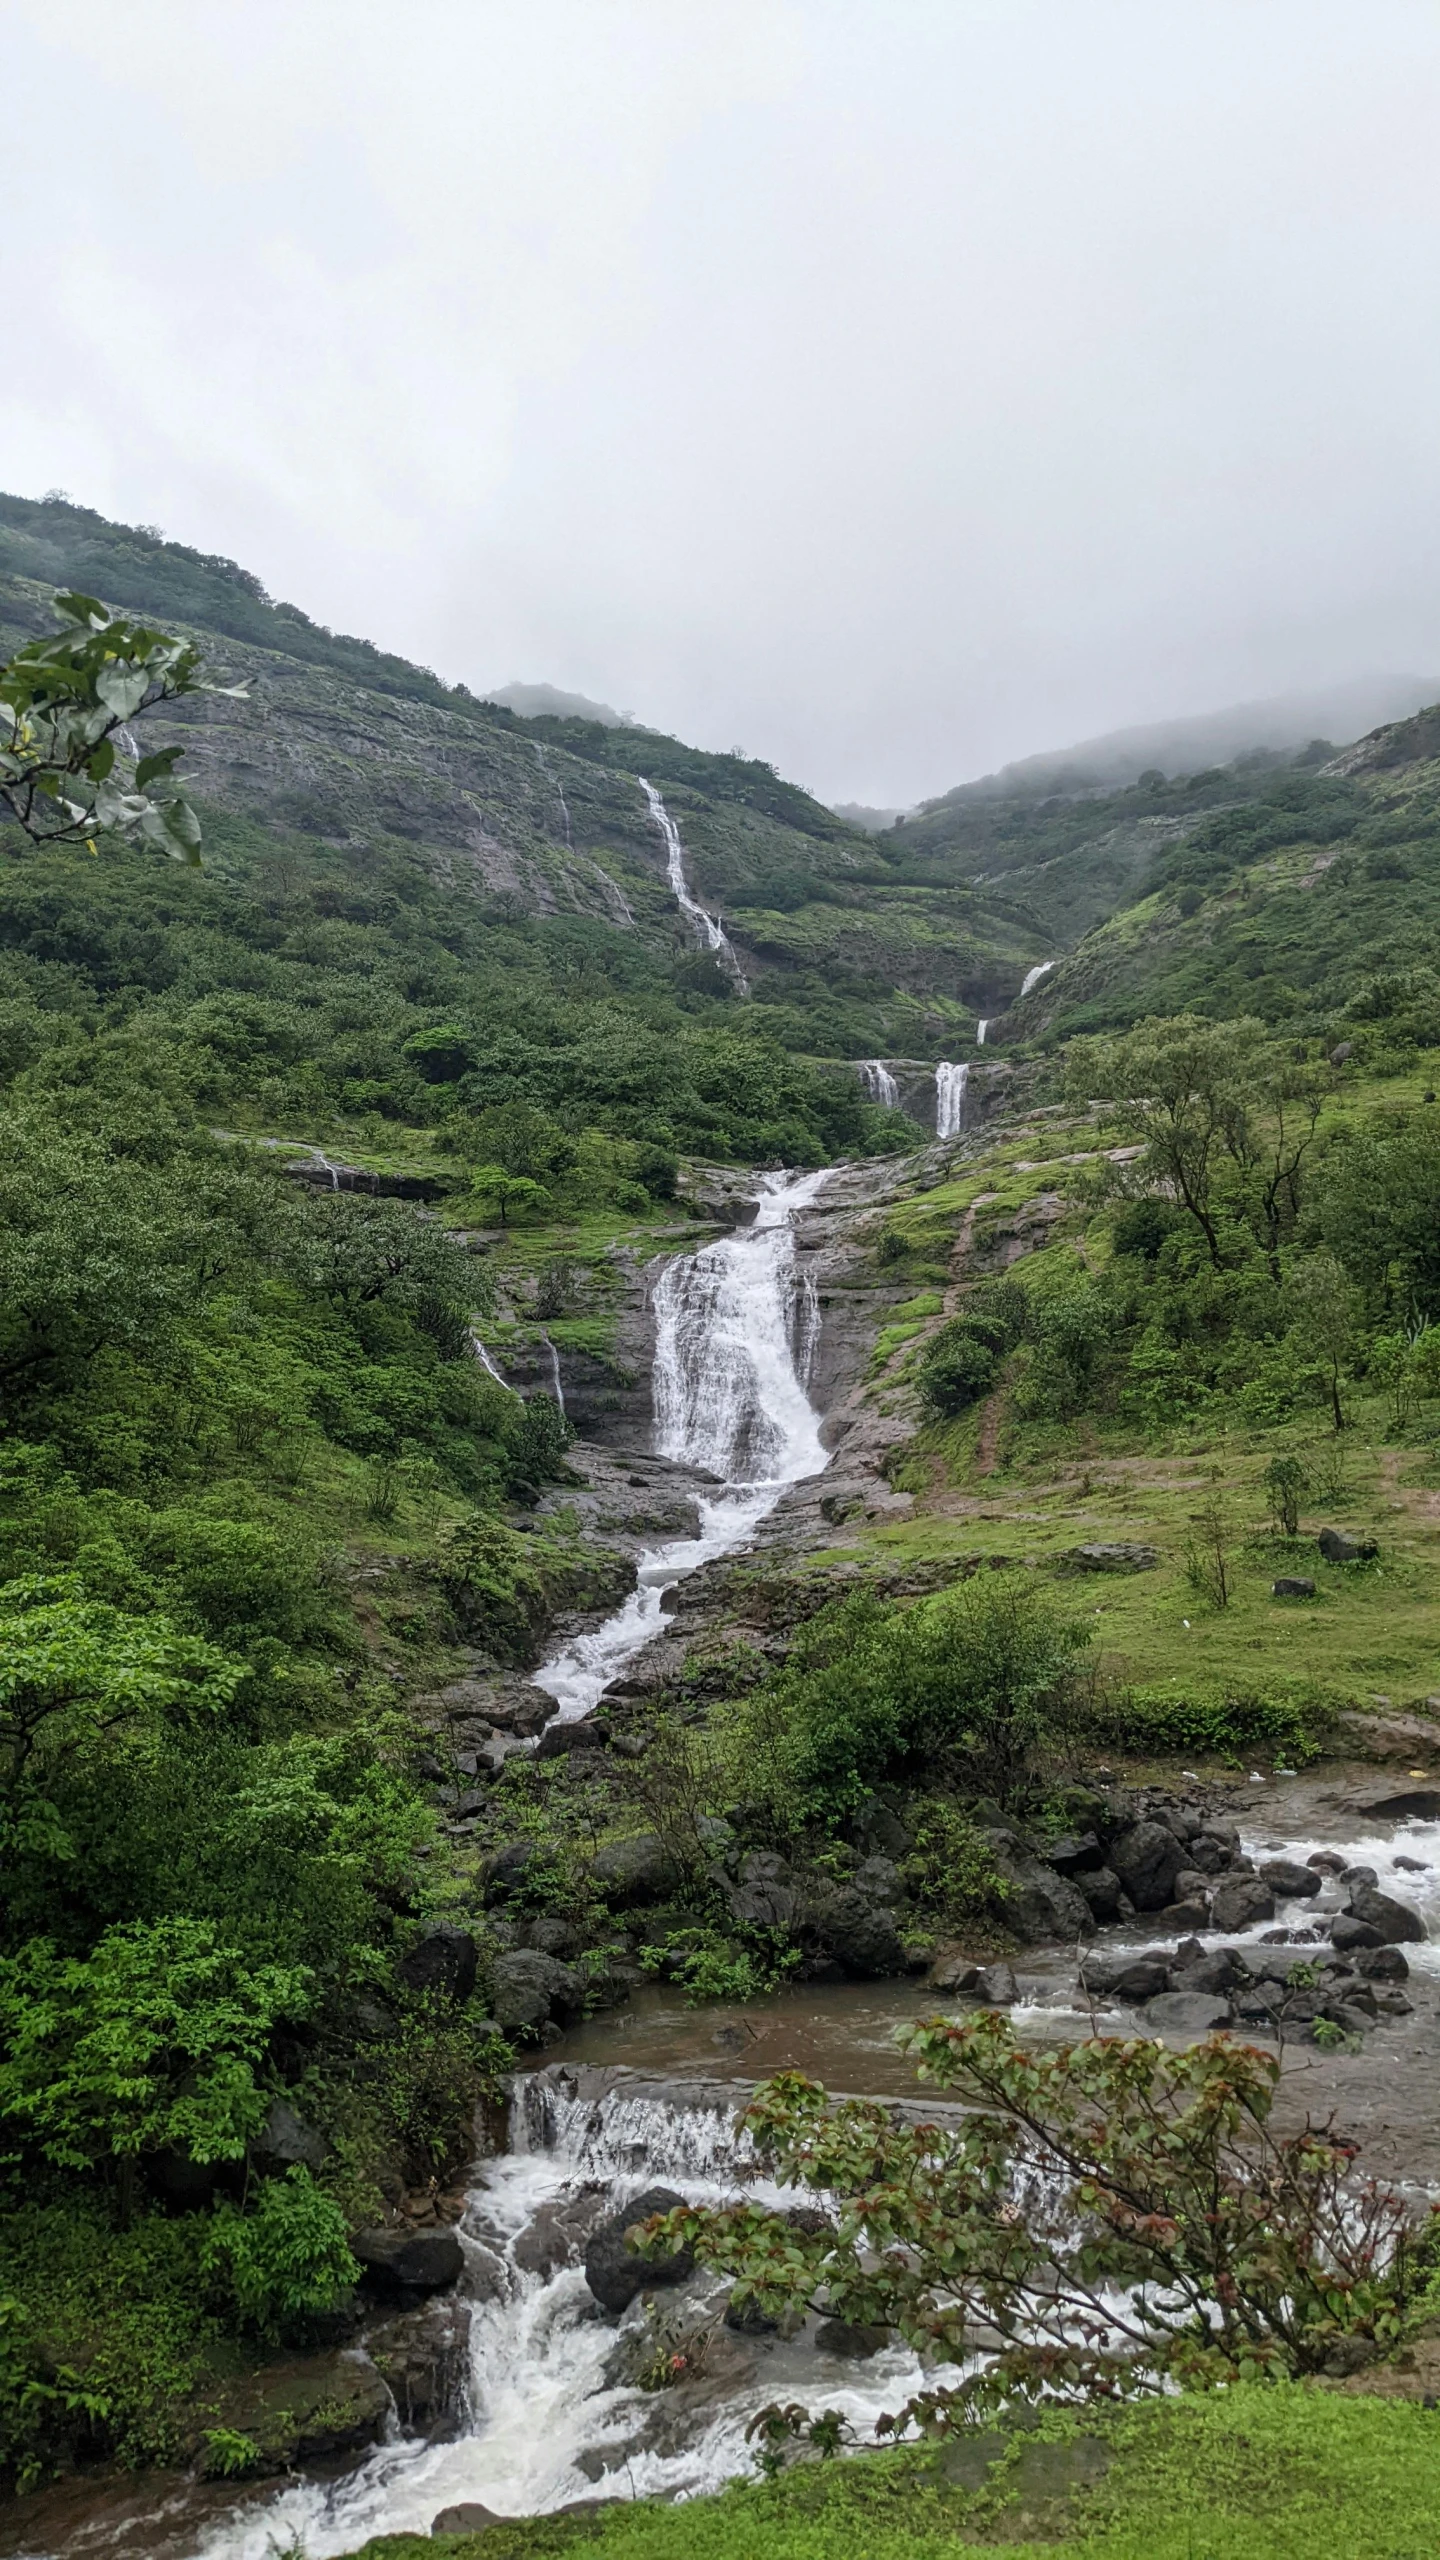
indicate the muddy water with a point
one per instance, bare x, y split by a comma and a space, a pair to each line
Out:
648, 2094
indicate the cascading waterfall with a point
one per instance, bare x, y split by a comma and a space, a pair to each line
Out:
1033, 976
981, 1027
735, 1330
879, 1083
556, 1388
950, 1083
549, 2419
708, 928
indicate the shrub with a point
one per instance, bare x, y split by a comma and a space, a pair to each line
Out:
958, 1367
1290, 1718
285, 2261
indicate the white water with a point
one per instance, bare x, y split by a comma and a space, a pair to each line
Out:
488, 1365
1033, 976
981, 1027
950, 1083
556, 1388
879, 1083
539, 2396
708, 928
735, 1332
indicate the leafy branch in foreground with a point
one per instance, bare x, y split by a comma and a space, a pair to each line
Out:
63, 703
1104, 2218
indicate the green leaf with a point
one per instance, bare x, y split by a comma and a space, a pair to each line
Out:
150, 768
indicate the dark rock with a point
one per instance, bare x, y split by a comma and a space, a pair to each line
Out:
1193, 1885
877, 1828
1226, 1835
1351, 1934
1147, 1859
558, 2232
468, 2517
578, 1733
850, 2338
1342, 1052
1241, 1902
880, 1878
1078, 1853
763, 1896
303, 2408
551, 1936
860, 1934
1109, 1556
1325, 1862
286, 2141
446, 1960
1036, 1903
1414, 1866
1186, 1915
1337, 1548
1187, 2013
505, 1868
1393, 2004
1210, 1974
530, 1989
1358, 1875
632, 1872
1382, 1964
614, 2272
1394, 1920
422, 2355
1358, 1995
997, 1987
1352, 2018
403, 2261
1292, 1586
1207, 1855
1101, 1889
1287, 1879
1129, 1978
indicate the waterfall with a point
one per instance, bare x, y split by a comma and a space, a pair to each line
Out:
556, 1389
487, 1364
707, 927
879, 1083
326, 1166
734, 1333
981, 1027
1033, 976
548, 2420
950, 1083
558, 788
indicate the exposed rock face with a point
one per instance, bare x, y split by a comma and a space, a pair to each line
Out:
1147, 1859
1240, 1902
859, 1933
1394, 1921
1037, 1902
530, 1991
445, 1961
402, 2261
614, 2272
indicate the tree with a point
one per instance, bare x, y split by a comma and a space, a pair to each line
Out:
73, 1670
509, 1191
1120, 2214
1323, 1308
149, 2043
65, 701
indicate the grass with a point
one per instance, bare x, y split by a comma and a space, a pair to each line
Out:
1249, 2474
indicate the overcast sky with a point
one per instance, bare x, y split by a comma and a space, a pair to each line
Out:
890, 387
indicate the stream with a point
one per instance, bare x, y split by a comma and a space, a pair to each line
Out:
552, 2411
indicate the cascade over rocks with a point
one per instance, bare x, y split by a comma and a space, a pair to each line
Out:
615, 2272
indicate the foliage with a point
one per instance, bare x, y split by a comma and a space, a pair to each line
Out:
957, 1367
711, 1964
149, 2043
1288, 1718
950, 1871
973, 1682
284, 2261
1122, 2216
62, 703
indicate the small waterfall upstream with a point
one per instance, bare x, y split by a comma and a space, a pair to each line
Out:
735, 1333
1033, 976
981, 1027
708, 928
950, 1083
879, 1083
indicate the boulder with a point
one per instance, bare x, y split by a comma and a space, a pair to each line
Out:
1241, 1902
878, 1876
1207, 1855
1290, 1881
1101, 1889
286, 2141
1130, 1978
763, 1895
1325, 1862
1210, 1974
423, 2355
1187, 2013
505, 1868
1395, 1921
1186, 1915
1036, 1902
631, 1872
1292, 1586
1147, 1858
405, 2261
989, 1986
468, 2517
1337, 1548
530, 1990
557, 2233
851, 2338
552, 1936
1381, 1964
446, 1960
577, 1733
1075, 1854
860, 1934
1193, 1885
1354, 1935
614, 2272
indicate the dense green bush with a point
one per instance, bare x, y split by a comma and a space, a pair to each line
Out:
1286, 1719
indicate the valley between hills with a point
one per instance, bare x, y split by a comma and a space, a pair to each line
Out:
602, 1500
